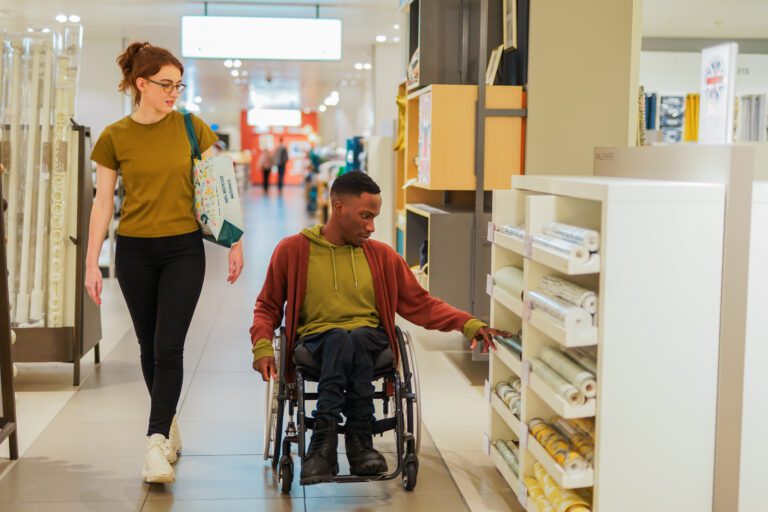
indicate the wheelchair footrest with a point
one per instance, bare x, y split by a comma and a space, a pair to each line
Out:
385, 425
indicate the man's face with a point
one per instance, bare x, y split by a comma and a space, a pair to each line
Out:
354, 216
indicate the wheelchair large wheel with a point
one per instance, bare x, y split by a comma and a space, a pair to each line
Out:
410, 374
272, 409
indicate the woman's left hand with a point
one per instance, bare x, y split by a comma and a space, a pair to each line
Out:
235, 262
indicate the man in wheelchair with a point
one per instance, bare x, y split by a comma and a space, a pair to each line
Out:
340, 292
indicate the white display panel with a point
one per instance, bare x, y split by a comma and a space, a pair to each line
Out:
229, 37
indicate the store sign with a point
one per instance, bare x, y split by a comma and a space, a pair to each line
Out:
230, 37
718, 76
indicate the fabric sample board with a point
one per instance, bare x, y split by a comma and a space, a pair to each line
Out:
556, 446
563, 500
558, 384
570, 371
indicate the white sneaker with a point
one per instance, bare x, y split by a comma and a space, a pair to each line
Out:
156, 467
173, 445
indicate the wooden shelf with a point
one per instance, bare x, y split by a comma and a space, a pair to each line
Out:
564, 264
542, 322
510, 243
508, 301
558, 404
556, 471
505, 470
502, 410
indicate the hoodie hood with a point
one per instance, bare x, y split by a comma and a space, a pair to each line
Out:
316, 237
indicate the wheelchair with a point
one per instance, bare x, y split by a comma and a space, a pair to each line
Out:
400, 403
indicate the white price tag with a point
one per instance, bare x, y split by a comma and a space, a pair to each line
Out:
491, 231
487, 391
524, 438
489, 285
486, 444
527, 307
522, 495
526, 376
528, 247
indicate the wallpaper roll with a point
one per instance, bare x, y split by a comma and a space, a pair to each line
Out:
516, 384
586, 425
505, 392
572, 372
515, 231
589, 238
556, 446
514, 447
510, 279
563, 500
581, 442
537, 495
582, 358
559, 385
575, 252
514, 344
575, 294
508, 456
572, 318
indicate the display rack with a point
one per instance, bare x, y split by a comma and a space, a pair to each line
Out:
8, 428
657, 337
81, 332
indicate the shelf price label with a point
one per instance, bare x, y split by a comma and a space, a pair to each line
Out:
486, 444
491, 231
489, 285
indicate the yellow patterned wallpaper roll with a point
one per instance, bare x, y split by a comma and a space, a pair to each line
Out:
537, 494
563, 500
557, 447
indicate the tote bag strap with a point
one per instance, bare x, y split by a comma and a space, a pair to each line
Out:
191, 136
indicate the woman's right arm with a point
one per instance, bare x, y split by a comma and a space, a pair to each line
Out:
101, 214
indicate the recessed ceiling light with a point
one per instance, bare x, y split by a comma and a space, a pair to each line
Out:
322, 108
367, 66
381, 39
359, 66
334, 93
396, 39
237, 63
74, 18
235, 72
61, 18
198, 99
30, 29
46, 30
396, 27
228, 63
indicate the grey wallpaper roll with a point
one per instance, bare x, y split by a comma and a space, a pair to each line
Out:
510, 279
583, 359
569, 316
559, 385
574, 252
570, 371
573, 293
515, 231
587, 237
508, 456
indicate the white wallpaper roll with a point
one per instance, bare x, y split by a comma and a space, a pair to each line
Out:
508, 456
587, 237
559, 287
572, 318
570, 371
575, 252
584, 359
558, 384
515, 231
511, 280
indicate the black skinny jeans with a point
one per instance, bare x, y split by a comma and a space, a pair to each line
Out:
346, 359
161, 279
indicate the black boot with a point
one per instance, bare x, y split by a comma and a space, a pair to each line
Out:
321, 463
363, 459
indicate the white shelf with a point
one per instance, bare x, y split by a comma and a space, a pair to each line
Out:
563, 264
511, 243
566, 338
505, 470
558, 403
556, 471
509, 359
508, 301
509, 418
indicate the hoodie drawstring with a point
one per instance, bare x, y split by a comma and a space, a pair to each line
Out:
335, 280
354, 270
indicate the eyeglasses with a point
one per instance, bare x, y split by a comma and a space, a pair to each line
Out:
168, 87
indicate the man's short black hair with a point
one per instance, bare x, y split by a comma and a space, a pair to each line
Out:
354, 183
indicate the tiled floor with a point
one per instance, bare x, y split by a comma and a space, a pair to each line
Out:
82, 448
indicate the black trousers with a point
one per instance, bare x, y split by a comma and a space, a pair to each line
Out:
280, 176
346, 359
266, 173
161, 279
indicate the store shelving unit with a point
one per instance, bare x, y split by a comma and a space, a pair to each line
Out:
657, 336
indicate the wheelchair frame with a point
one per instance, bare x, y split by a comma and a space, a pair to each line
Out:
399, 384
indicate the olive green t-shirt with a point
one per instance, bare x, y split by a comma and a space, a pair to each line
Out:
155, 162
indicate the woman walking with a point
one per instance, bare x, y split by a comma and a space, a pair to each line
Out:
159, 261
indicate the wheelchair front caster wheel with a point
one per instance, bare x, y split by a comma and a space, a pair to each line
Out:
410, 474
286, 475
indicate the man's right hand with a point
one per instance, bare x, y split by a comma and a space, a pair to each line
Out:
266, 367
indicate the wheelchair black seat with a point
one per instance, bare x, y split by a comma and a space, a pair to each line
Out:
304, 360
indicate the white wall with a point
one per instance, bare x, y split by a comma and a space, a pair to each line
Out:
98, 101
229, 123
388, 72
677, 73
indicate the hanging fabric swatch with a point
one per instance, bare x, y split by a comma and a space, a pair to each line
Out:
559, 385
570, 371
515, 231
580, 441
574, 252
588, 238
563, 500
508, 456
537, 494
575, 294
510, 279
556, 446
572, 318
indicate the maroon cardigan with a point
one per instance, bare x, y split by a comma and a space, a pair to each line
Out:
397, 292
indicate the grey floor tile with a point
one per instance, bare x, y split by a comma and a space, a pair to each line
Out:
65, 439
284, 504
222, 437
94, 506
221, 383
241, 405
403, 501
